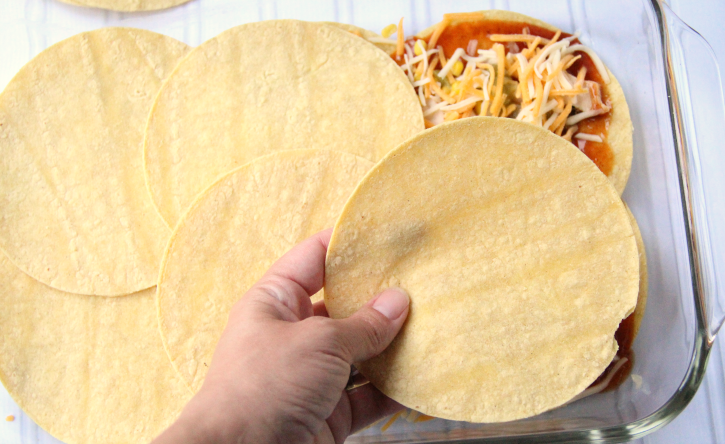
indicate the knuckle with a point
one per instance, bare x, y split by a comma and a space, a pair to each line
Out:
375, 333
323, 331
377, 338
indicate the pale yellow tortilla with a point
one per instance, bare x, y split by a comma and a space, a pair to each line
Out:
266, 87
234, 231
643, 277
519, 259
74, 211
127, 5
370, 36
619, 136
87, 370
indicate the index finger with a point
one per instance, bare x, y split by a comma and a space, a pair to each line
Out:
305, 263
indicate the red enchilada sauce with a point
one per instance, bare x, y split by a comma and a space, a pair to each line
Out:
457, 36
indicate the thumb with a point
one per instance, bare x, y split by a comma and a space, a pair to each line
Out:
372, 328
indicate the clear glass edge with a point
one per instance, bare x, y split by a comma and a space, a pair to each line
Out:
703, 339
712, 306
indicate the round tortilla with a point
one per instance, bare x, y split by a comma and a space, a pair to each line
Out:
266, 87
519, 259
387, 48
74, 211
619, 135
643, 277
127, 5
234, 231
85, 369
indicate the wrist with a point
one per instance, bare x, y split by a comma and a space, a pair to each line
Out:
212, 418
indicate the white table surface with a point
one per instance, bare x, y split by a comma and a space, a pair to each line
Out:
703, 421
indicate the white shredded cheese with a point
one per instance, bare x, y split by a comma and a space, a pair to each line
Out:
485, 75
551, 104
563, 81
409, 70
523, 63
558, 46
409, 50
419, 58
589, 137
421, 82
595, 58
550, 120
584, 115
454, 58
461, 104
532, 89
547, 90
434, 108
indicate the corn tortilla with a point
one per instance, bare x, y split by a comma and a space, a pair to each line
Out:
619, 135
127, 5
266, 87
85, 369
643, 277
366, 34
232, 234
74, 211
519, 259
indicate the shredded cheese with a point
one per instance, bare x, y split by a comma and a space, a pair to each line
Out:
533, 84
589, 137
438, 31
401, 40
454, 58
461, 104
573, 120
390, 422
595, 58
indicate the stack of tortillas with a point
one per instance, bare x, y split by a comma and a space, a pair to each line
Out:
134, 166
74, 216
83, 242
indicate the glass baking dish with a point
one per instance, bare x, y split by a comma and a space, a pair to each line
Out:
651, 52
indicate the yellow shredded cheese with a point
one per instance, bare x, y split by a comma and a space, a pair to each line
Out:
400, 48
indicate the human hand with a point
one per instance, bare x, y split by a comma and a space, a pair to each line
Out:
279, 371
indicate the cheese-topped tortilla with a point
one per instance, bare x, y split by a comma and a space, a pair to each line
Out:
266, 87
74, 210
532, 72
520, 262
233, 233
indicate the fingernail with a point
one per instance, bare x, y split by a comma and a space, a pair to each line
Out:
392, 302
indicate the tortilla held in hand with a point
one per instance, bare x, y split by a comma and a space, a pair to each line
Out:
233, 233
272, 86
520, 262
74, 210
